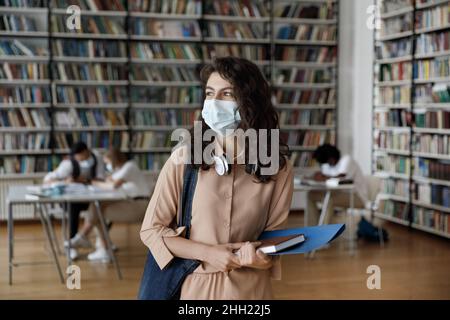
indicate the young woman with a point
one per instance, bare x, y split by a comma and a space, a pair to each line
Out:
229, 212
125, 175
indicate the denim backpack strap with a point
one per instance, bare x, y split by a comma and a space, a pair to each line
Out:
157, 284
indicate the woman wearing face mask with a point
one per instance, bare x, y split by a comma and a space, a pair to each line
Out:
124, 174
232, 204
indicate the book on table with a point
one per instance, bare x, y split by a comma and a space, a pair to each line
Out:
278, 244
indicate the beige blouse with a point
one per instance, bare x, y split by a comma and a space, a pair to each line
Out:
225, 209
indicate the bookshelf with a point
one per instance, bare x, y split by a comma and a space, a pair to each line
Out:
130, 75
411, 118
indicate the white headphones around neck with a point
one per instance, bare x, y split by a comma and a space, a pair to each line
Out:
223, 168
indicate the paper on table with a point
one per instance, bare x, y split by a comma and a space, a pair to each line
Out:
316, 237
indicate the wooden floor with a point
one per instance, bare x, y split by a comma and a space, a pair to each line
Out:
414, 265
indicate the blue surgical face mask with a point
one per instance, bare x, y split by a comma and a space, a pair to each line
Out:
87, 163
109, 167
221, 115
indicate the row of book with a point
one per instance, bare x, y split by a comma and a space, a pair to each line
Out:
395, 209
307, 32
439, 119
306, 54
90, 71
24, 3
64, 140
92, 5
433, 42
306, 96
398, 24
27, 164
90, 25
151, 161
151, 139
437, 93
24, 118
236, 30
432, 194
433, 219
431, 168
302, 159
394, 5
299, 75
18, 48
89, 118
182, 95
393, 164
164, 73
152, 51
437, 16
90, 95
24, 141
24, 94
23, 71
246, 8
13, 23
165, 28
397, 187
188, 7
394, 94
89, 48
308, 138
393, 49
392, 118
305, 10
435, 68
391, 140
395, 71
432, 143
170, 117
307, 117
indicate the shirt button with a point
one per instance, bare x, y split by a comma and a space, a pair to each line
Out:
226, 224
227, 195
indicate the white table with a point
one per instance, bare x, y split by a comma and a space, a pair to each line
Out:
327, 190
17, 195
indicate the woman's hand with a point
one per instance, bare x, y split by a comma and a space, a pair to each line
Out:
250, 257
222, 257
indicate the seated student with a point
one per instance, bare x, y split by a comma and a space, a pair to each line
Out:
125, 175
82, 166
333, 165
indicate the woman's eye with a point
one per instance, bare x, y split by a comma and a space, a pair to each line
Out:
209, 93
228, 94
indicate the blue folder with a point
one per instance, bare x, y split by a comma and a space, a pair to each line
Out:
316, 237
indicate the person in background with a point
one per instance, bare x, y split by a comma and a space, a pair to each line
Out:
124, 175
333, 165
82, 166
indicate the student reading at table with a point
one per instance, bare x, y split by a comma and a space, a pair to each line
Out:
126, 176
82, 166
333, 165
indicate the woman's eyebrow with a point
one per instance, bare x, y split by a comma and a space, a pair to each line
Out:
226, 88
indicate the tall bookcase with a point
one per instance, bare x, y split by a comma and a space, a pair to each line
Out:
411, 118
130, 75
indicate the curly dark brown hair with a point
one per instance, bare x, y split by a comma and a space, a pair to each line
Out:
253, 96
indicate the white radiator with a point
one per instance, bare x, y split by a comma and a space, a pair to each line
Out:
21, 212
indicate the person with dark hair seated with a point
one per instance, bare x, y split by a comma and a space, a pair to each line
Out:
82, 166
333, 165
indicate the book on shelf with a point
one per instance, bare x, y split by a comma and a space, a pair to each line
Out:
438, 119
307, 117
302, 159
160, 95
396, 187
96, 140
250, 52
304, 10
24, 94
165, 28
173, 51
186, 7
436, 16
89, 118
88, 48
245, 8
430, 218
392, 118
438, 67
81, 95
23, 71
170, 117
92, 5
397, 24
393, 49
438, 144
24, 118
394, 94
437, 93
395, 71
395, 209
89, 71
25, 164
306, 96
151, 139
20, 48
164, 73
14, 23
308, 54
394, 5
301, 75
428, 43
393, 164
151, 161
24, 3
432, 194
239, 30
391, 140
308, 138
307, 32
24, 141
432, 168
90, 25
